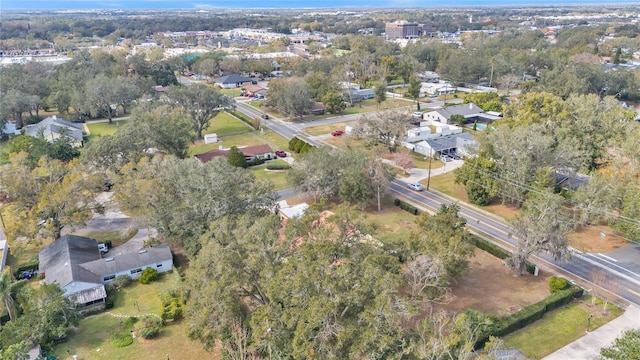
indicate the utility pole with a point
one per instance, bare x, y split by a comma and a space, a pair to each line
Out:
429, 175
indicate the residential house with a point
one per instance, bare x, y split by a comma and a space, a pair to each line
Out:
263, 152
232, 81
462, 144
437, 89
471, 113
318, 108
429, 77
254, 90
53, 128
76, 265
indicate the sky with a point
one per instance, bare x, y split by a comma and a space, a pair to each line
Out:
204, 4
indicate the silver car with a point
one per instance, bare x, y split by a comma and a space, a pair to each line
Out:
415, 187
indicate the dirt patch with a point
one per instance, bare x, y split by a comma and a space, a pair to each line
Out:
492, 288
507, 211
589, 239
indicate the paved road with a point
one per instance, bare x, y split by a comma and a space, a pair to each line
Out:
627, 282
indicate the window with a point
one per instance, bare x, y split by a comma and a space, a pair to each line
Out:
109, 277
136, 271
159, 265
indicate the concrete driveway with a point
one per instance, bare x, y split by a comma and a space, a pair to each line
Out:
114, 220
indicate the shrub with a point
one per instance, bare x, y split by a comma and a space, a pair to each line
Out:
298, 146
150, 327
292, 143
172, 305
408, 207
236, 158
278, 166
122, 281
305, 148
396, 202
109, 244
130, 321
121, 339
148, 275
108, 302
557, 283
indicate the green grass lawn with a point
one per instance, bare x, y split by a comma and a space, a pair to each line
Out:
225, 124
4, 152
278, 178
559, 328
103, 128
91, 339
393, 223
324, 129
226, 142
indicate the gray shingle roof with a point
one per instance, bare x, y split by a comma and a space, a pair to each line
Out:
62, 260
53, 125
449, 142
129, 261
232, 79
462, 109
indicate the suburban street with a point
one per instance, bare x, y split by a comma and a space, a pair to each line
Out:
623, 270
619, 264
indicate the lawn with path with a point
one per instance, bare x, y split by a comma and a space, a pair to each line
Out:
560, 327
90, 340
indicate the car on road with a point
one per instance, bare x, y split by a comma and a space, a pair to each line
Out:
414, 186
281, 153
337, 133
265, 116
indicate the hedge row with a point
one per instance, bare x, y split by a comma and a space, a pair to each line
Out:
298, 145
498, 252
407, 207
535, 311
271, 166
243, 117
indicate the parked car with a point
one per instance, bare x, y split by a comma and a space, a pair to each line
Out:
103, 248
417, 114
337, 133
454, 156
281, 153
414, 186
445, 158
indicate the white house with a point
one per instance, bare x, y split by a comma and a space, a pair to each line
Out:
76, 265
437, 89
429, 77
53, 128
4, 250
471, 113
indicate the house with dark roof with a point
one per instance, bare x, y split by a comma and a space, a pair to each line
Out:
53, 128
462, 144
471, 113
232, 81
263, 152
76, 265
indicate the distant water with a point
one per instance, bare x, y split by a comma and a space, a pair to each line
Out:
204, 4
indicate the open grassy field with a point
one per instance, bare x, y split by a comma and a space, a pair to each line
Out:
324, 129
559, 327
90, 340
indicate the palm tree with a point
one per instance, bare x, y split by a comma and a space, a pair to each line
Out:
8, 290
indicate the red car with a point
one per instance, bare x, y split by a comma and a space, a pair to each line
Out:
337, 133
281, 153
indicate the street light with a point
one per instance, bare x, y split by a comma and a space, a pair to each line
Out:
429, 175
